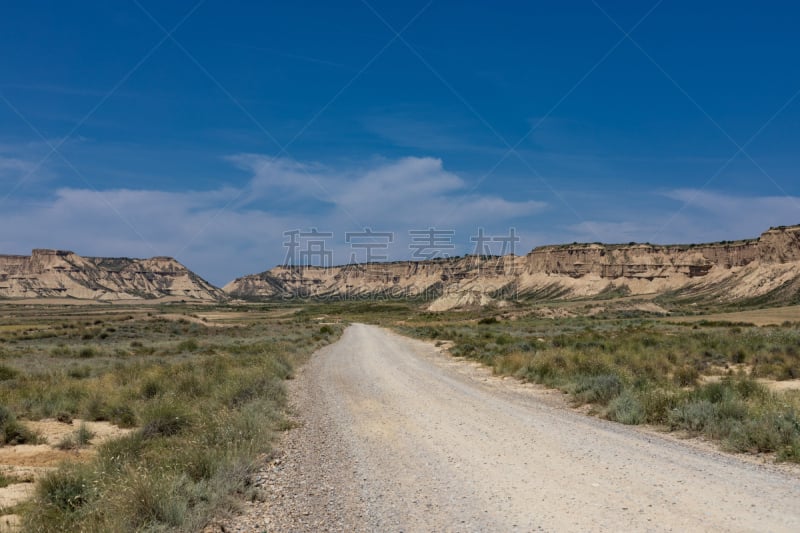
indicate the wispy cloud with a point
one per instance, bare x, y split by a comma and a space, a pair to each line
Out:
298, 57
743, 215
15, 169
10, 166
691, 216
430, 136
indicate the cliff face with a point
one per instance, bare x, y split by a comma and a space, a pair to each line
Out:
60, 273
644, 261
398, 279
725, 271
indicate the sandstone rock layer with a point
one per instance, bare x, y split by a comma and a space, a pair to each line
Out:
767, 267
64, 274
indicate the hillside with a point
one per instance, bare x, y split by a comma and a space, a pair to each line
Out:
64, 274
766, 267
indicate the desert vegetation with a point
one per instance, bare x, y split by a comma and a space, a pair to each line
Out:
203, 399
201, 389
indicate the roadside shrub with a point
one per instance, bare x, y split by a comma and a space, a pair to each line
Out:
201, 463
326, 330
66, 489
152, 502
658, 404
790, 452
514, 364
599, 389
768, 432
165, 420
6, 373
277, 366
693, 416
626, 409
251, 388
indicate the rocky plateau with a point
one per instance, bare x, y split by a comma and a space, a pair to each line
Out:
767, 267
64, 274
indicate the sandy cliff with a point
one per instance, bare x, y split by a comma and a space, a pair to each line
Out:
60, 273
726, 271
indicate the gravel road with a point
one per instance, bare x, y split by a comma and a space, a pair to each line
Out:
393, 435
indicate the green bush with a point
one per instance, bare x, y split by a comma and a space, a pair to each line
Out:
627, 409
12, 431
153, 502
599, 389
693, 416
165, 419
67, 489
658, 404
768, 432
151, 388
87, 352
122, 415
686, 376
117, 454
79, 372
189, 345
6, 373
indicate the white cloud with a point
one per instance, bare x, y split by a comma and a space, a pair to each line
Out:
229, 231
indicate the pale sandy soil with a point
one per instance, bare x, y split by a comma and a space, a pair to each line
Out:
759, 317
396, 436
177, 317
771, 384
789, 384
27, 462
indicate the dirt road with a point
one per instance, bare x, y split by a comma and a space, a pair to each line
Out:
396, 436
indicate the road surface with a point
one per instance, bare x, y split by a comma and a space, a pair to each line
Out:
395, 436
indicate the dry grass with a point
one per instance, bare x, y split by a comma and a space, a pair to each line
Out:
758, 317
203, 402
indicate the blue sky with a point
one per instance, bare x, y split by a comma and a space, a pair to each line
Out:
568, 121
